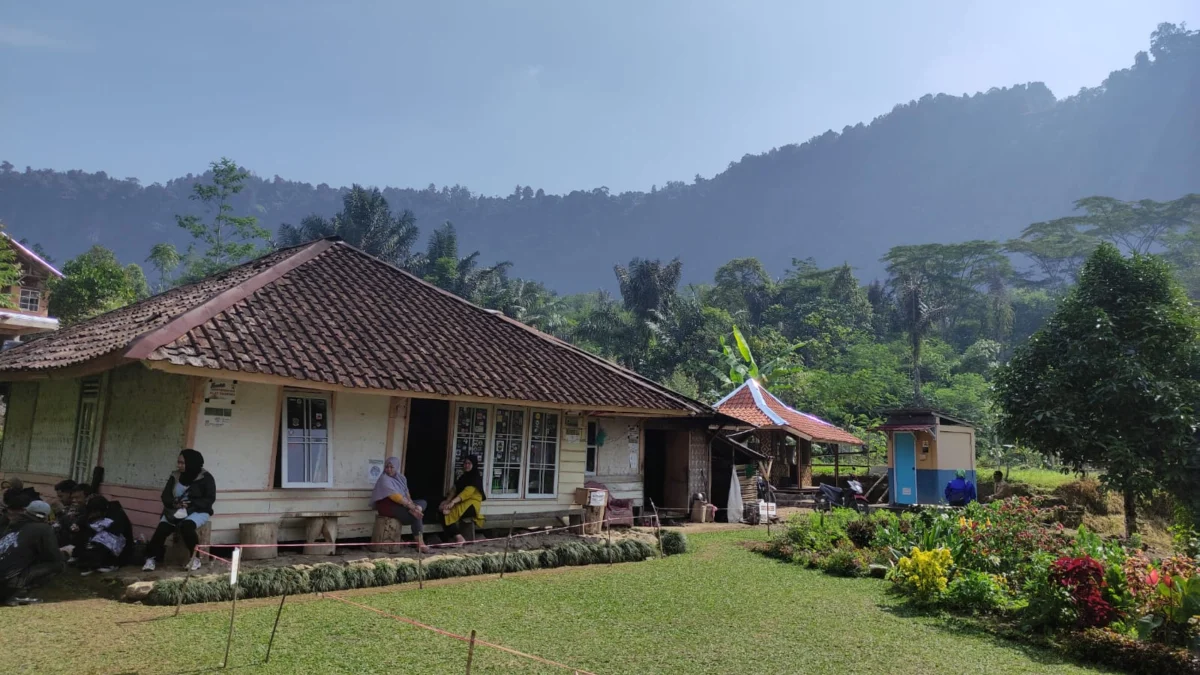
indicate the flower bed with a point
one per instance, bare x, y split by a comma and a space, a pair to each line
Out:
1014, 562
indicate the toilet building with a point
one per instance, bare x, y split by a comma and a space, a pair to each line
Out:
925, 449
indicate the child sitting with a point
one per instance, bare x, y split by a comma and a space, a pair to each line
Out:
108, 532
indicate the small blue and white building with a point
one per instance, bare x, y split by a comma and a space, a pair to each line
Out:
925, 449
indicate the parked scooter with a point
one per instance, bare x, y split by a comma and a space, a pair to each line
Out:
851, 498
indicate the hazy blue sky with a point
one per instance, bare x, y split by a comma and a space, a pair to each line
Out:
554, 94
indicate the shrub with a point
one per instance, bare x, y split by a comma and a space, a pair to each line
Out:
636, 549
326, 577
810, 559
861, 532
571, 553
845, 562
1107, 648
359, 575
406, 571
1048, 604
922, 575
548, 559
976, 592
385, 572
1084, 580
674, 542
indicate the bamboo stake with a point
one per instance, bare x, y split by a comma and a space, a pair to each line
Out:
504, 561
657, 528
608, 524
471, 651
278, 613
420, 565
232, 613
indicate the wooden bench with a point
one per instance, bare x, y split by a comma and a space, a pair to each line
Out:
320, 524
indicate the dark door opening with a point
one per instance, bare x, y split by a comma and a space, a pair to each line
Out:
655, 478
425, 464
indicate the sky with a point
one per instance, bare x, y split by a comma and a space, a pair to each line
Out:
558, 95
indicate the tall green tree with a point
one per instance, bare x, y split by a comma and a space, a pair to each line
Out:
10, 268
1112, 380
366, 222
649, 287
463, 276
918, 309
93, 283
228, 239
165, 260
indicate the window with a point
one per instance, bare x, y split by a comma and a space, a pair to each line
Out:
470, 436
507, 444
31, 300
589, 467
307, 459
543, 455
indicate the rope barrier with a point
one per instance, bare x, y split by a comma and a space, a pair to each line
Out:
461, 638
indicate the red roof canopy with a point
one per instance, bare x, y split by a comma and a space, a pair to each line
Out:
757, 407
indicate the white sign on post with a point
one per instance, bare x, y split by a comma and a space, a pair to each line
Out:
233, 567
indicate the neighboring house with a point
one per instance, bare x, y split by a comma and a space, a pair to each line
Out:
926, 448
28, 311
297, 374
784, 435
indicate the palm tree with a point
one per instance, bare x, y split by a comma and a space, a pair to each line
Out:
440, 265
648, 286
918, 313
366, 222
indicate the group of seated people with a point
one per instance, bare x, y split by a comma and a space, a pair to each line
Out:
460, 511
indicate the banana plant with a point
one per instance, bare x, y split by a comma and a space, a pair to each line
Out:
737, 363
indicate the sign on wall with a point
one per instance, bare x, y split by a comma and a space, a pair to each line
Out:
374, 470
221, 391
217, 417
573, 428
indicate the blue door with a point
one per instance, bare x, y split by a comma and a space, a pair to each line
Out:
905, 451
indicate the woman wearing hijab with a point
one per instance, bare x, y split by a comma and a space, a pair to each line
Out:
467, 501
187, 505
392, 499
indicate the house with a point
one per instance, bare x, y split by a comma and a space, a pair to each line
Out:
28, 305
783, 435
925, 449
298, 373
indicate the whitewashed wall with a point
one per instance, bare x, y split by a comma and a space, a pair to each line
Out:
360, 425
147, 426
617, 462
238, 451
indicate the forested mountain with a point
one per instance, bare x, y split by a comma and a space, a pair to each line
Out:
940, 169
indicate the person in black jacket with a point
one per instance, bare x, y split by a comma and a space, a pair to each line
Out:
187, 505
107, 536
29, 554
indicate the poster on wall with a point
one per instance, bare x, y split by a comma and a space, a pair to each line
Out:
221, 391
631, 437
573, 428
374, 470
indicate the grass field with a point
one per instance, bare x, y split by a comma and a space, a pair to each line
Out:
718, 609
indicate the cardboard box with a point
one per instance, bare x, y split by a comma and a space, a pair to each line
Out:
590, 497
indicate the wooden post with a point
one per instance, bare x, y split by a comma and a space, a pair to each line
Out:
232, 613
504, 561
420, 564
278, 613
470, 651
610, 552
837, 460
657, 528
183, 587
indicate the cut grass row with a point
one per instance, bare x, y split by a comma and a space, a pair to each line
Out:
718, 609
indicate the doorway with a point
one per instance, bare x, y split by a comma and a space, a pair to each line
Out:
905, 453
425, 450
666, 478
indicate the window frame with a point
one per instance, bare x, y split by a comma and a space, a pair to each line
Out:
452, 465
35, 294
591, 449
522, 464
527, 460
284, 482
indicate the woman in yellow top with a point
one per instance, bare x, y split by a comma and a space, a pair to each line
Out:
466, 503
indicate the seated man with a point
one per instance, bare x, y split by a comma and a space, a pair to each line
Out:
392, 499
1001, 490
29, 554
960, 491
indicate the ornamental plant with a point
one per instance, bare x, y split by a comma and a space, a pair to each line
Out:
924, 575
1084, 580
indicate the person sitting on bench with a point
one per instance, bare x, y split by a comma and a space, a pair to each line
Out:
392, 499
187, 502
466, 503
29, 554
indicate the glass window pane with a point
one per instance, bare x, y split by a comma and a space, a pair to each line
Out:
295, 463
318, 463
295, 413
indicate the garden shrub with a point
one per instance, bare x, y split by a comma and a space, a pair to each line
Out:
326, 577
1084, 580
845, 562
406, 571
974, 591
861, 532
810, 559
636, 549
548, 559
923, 575
1107, 648
385, 572
358, 575
674, 542
1048, 604
571, 553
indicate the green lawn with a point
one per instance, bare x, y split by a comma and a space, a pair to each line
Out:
717, 609
1043, 478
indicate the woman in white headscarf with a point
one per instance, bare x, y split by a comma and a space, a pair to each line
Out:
392, 499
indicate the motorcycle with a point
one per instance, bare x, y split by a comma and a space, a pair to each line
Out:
849, 498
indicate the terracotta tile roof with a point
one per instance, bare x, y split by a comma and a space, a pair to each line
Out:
329, 313
758, 407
